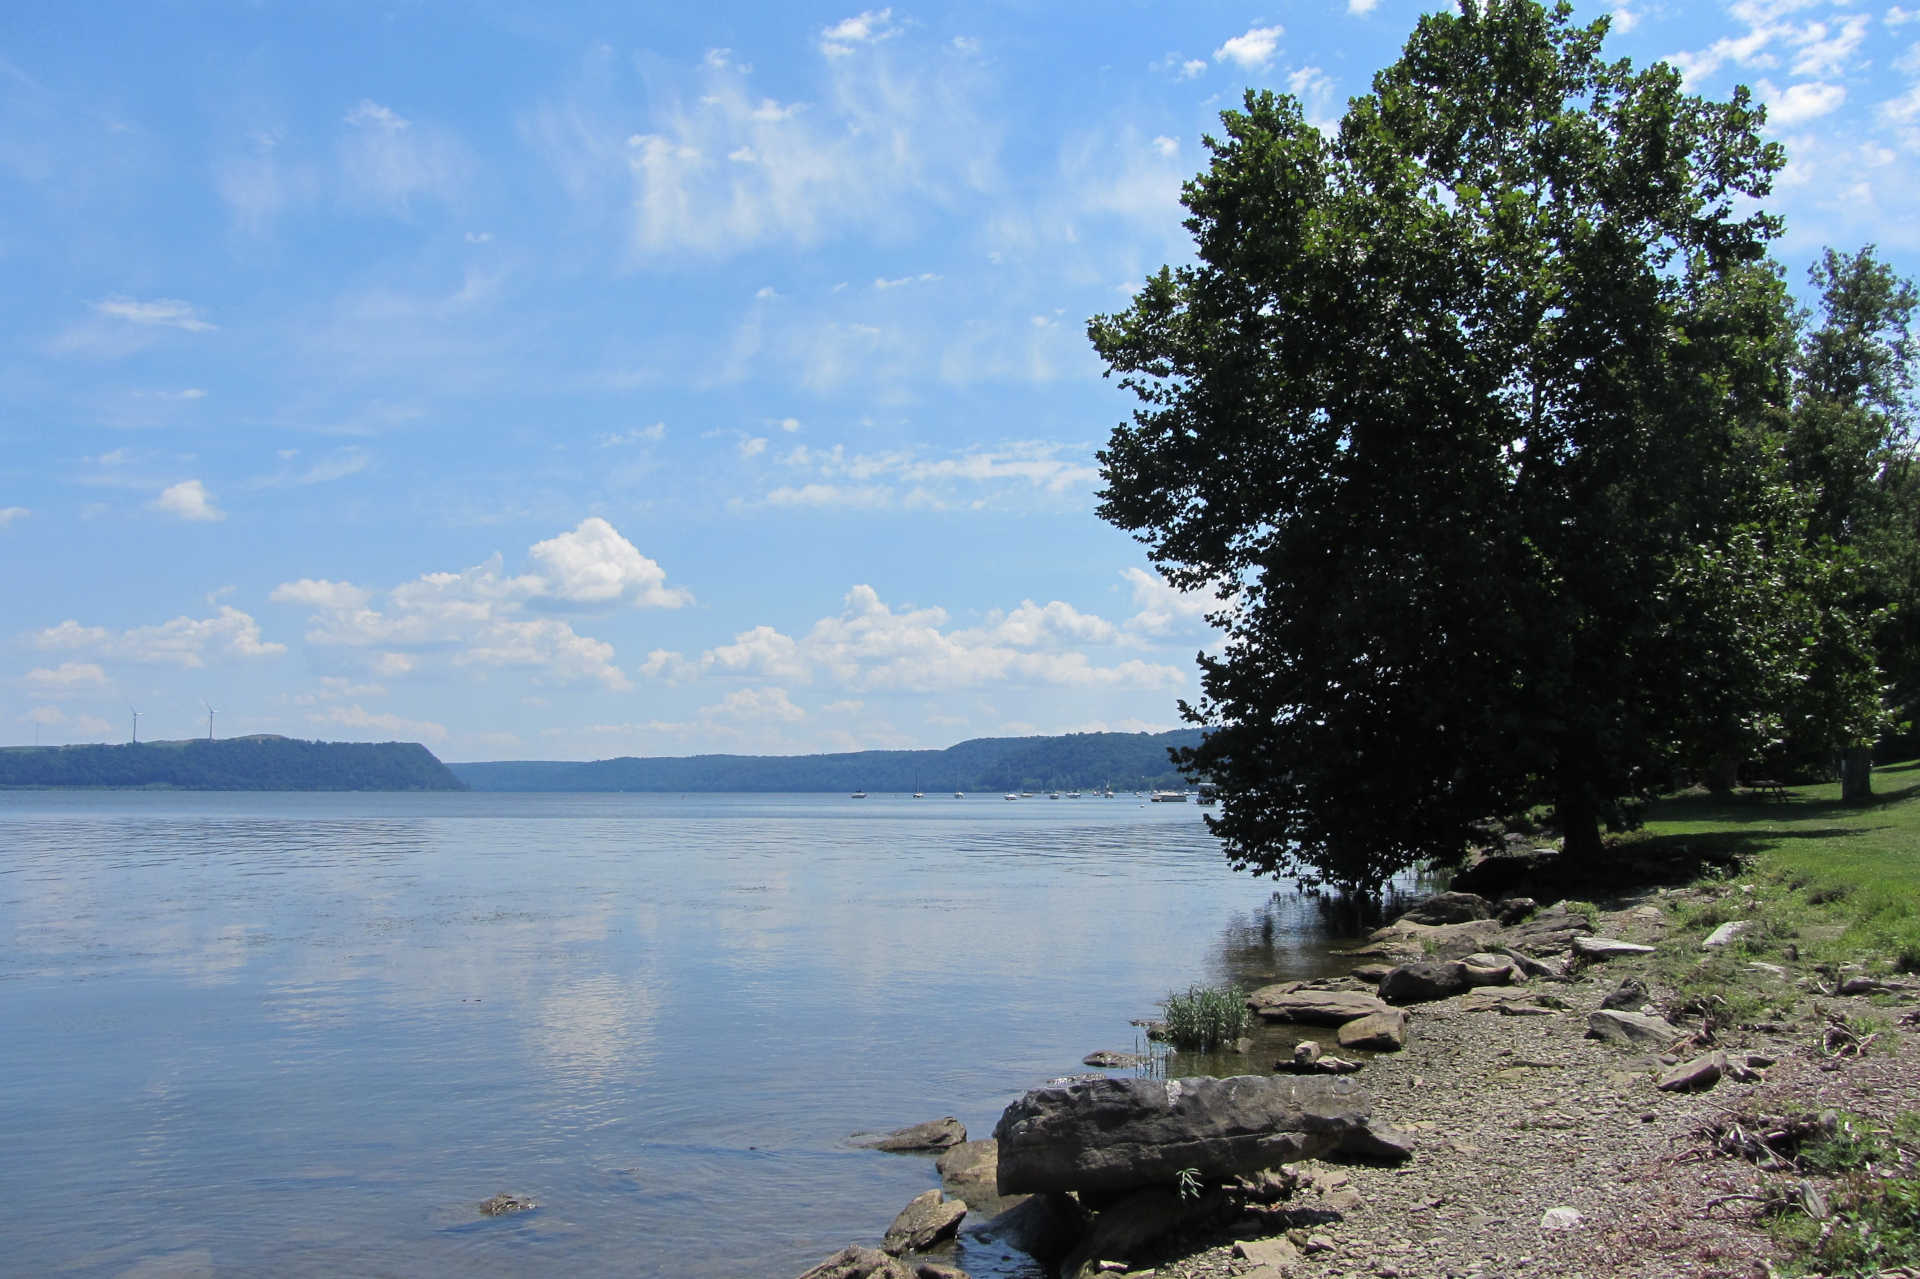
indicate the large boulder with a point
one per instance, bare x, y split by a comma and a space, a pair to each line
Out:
1630, 1029
1309, 1006
935, 1134
1423, 982
1107, 1135
1449, 908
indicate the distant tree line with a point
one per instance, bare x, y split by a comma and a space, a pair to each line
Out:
1082, 761
238, 763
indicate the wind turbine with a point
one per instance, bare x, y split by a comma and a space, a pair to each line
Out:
136, 722
211, 712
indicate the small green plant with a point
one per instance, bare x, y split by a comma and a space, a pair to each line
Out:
1876, 1227
1588, 909
1854, 1145
1187, 1181
1207, 1017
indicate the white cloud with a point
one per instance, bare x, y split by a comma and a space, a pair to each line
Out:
357, 718
1162, 611
871, 646
756, 706
1624, 20
925, 277
1362, 6
871, 27
752, 446
1253, 50
477, 618
320, 593
163, 312
70, 635
66, 679
388, 162
1799, 103
906, 479
1826, 51
186, 642
595, 565
189, 500
1192, 68
8, 514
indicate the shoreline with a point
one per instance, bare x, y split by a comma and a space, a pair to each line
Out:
1518, 1113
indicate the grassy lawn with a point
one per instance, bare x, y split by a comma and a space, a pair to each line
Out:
1840, 883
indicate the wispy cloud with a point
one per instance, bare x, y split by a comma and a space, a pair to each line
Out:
166, 312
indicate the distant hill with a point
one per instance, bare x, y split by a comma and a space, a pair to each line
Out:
264, 762
1082, 761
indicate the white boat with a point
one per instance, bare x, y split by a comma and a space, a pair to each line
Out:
959, 794
859, 794
1011, 795
1169, 797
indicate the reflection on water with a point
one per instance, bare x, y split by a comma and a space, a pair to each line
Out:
306, 1034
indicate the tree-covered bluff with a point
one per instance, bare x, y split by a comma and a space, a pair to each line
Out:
263, 762
1126, 761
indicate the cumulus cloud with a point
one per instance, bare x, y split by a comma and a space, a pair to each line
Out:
1799, 103
320, 593
595, 565
189, 500
66, 679
869, 645
187, 642
756, 706
1161, 611
1252, 51
478, 618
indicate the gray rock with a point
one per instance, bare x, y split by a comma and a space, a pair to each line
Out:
1115, 1134
929, 1219
503, 1204
1602, 948
971, 1171
935, 1270
1384, 1032
1490, 970
1424, 981
1290, 1002
1562, 1219
935, 1134
1727, 934
1372, 973
1511, 910
1631, 1029
1108, 1059
1306, 1053
1628, 995
1698, 1075
1450, 908
854, 1262
1134, 1223
1045, 1227
1533, 965
1378, 1144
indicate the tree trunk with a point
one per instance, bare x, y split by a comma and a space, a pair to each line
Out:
1723, 774
1856, 775
1579, 819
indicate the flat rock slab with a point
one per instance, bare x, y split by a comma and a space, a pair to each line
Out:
1110, 1059
1608, 948
1111, 1134
1631, 1029
929, 1219
1289, 1002
1450, 908
935, 1134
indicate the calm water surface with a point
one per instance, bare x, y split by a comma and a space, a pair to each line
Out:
307, 1034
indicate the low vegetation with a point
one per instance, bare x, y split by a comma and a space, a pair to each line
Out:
1835, 888
1207, 1017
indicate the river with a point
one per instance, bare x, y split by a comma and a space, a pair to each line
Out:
307, 1034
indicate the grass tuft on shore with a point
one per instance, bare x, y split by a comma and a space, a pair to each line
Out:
1207, 1017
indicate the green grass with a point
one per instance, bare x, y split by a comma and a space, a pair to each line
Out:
1840, 883
1207, 1017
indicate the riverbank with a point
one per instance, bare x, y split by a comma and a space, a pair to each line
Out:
1543, 1151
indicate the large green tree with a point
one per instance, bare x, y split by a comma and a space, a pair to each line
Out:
1850, 447
1472, 409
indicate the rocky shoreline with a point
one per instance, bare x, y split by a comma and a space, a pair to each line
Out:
1559, 1101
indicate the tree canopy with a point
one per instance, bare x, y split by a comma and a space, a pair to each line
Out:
1473, 412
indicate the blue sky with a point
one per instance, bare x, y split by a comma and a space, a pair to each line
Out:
567, 381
